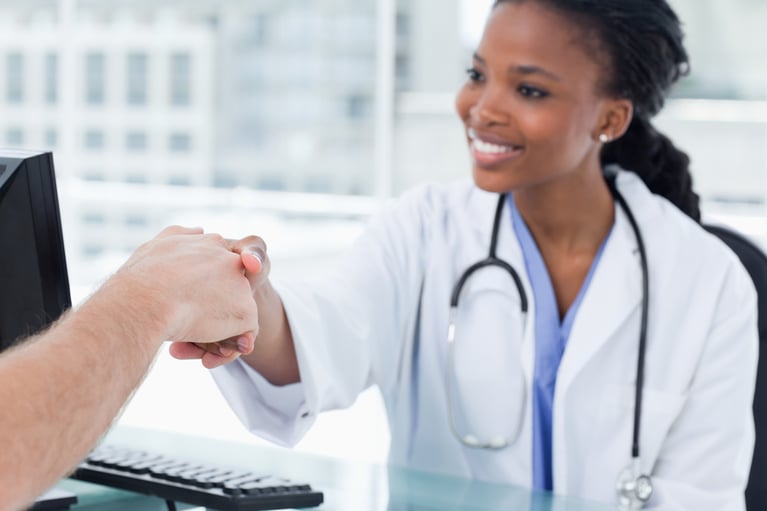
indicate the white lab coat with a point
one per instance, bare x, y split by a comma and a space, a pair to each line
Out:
359, 329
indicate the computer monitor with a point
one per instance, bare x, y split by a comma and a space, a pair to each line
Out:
34, 286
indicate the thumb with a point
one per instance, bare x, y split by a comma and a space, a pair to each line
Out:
252, 261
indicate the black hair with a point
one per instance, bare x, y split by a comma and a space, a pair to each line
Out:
639, 44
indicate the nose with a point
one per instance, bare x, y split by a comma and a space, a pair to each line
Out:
489, 110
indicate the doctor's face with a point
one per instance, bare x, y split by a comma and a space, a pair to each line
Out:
530, 105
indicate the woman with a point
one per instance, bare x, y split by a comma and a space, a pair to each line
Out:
557, 112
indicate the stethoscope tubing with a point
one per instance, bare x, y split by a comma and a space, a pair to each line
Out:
493, 260
643, 323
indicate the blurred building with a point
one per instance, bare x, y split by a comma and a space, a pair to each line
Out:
142, 99
119, 99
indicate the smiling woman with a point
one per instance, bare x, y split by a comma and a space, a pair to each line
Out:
593, 211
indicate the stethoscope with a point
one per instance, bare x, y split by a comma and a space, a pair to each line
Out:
633, 488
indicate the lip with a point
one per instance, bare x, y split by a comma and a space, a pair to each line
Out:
489, 150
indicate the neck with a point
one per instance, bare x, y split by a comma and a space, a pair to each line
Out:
570, 214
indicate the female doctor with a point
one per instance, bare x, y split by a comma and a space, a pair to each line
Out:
595, 280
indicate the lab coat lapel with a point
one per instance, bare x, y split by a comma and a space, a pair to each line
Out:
614, 293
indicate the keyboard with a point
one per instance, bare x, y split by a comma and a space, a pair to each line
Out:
198, 484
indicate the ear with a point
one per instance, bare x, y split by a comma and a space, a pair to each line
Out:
615, 118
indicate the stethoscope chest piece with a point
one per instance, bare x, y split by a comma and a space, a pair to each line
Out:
634, 489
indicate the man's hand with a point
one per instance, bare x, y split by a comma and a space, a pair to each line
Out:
251, 252
195, 286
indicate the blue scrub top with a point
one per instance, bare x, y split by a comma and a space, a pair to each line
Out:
550, 340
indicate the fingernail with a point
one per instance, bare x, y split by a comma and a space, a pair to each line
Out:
243, 345
256, 255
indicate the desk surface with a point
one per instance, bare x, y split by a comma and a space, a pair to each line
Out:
347, 485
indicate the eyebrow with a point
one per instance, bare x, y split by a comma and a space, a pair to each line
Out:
524, 69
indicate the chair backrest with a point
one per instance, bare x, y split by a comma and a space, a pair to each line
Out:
755, 261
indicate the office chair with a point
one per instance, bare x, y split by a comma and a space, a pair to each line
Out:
755, 261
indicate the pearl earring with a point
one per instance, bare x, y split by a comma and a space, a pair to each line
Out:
604, 138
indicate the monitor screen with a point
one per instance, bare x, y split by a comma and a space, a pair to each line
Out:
34, 287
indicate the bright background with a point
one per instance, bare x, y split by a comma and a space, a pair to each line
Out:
295, 120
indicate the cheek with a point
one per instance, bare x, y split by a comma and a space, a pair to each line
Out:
558, 128
463, 103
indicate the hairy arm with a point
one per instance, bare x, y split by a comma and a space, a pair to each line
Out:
60, 390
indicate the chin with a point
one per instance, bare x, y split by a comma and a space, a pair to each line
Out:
493, 181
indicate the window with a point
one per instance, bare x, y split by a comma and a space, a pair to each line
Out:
358, 107
14, 137
93, 175
135, 141
225, 181
93, 250
180, 79
136, 220
136, 75
272, 182
95, 79
51, 138
179, 142
135, 178
94, 139
179, 181
93, 217
50, 80
14, 78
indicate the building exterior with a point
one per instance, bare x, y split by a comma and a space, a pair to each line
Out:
119, 99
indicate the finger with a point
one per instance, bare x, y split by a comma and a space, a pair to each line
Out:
212, 360
252, 261
246, 342
220, 348
254, 243
186, 351
242, 344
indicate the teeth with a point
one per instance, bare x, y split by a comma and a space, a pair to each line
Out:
487, 147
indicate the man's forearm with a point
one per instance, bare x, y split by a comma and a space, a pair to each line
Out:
62, 389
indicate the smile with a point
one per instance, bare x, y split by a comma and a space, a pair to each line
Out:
488, 153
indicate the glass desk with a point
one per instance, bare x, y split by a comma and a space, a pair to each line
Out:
347, 485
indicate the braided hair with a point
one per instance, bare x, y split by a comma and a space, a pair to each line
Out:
639, 44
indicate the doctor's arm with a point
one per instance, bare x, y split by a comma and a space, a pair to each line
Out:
60, 390
705, 459
345, 330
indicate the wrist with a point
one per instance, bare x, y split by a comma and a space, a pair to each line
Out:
130, 306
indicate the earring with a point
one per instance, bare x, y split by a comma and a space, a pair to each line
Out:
604, 138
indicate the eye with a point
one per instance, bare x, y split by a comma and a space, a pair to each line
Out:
531, 92
474, 75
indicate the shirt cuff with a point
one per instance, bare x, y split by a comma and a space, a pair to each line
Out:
277, 413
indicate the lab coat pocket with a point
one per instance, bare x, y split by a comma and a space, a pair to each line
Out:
612, 432
660, 408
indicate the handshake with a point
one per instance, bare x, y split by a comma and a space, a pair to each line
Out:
197, 291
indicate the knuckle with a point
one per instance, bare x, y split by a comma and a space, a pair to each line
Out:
214, 236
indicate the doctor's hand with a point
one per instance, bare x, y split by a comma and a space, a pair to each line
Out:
255, 264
